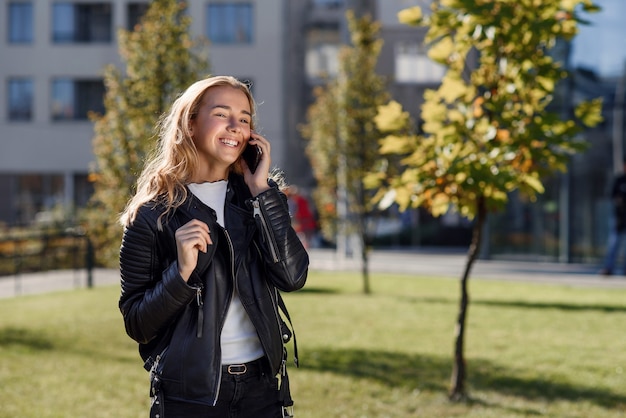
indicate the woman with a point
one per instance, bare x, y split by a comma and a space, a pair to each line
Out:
207, 247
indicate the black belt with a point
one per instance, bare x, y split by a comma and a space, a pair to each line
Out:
254, 367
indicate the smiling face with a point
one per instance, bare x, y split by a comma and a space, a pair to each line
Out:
220, 131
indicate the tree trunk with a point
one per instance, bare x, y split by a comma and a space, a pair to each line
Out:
457, 388
365, 266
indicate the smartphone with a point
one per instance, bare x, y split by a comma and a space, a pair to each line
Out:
252, 156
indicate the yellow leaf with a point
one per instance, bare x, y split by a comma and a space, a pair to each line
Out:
390, 117
452, 87
403, 197
441, 50
440, 204
546, 83
432, 110
394, 144
477, 107
411, 16
503, 135
569, 5
499, 195
533, 182
590, 112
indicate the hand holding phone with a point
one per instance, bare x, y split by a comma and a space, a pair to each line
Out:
252, 156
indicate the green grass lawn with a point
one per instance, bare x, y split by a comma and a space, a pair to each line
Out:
532, 350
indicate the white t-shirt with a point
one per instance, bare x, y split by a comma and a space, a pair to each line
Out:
240, 342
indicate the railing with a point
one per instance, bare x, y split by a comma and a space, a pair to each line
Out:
38, 251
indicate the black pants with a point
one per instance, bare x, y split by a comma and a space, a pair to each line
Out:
253, 394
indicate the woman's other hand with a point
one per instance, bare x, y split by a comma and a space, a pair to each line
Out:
191, 238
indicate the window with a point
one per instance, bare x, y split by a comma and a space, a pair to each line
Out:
229, 23
20, 22
322, 51
78, 22
20, 93
331, 4
135, 13
414, 66
74, 99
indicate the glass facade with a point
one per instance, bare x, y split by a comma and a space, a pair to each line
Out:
323, 42
32, 196
412, 64
570, 221
81, 22
74, 99
20, 99
20, 22
135, 13
600, 45
230, 23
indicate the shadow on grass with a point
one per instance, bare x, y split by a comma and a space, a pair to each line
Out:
12, 336
389, 368
316, 290
23, 338
552, 305
573, 307
433, 374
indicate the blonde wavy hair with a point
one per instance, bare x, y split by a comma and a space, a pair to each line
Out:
175, 158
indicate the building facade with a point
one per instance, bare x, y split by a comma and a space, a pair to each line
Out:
53, 55
53, 52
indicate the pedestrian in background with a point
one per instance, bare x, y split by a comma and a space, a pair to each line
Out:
302, 216
618, 228
207, 246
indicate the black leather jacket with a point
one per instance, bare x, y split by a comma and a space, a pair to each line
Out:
178, 324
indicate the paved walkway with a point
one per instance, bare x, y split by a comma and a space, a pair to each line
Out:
430, 262
442, 263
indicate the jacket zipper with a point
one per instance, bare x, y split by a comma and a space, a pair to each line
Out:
257, 212
200, 303
232, 294
273, 297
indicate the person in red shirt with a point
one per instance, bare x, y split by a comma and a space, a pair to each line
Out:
302, 217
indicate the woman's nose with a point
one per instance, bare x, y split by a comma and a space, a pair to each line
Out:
234, 125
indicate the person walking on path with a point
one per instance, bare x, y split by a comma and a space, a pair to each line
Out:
618, 228
207, 248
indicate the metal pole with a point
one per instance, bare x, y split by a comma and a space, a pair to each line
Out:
89, 259
618, 125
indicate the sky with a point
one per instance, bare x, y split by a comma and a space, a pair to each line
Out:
601, 46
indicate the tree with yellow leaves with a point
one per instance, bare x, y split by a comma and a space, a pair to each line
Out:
343, 138
488, 129
161, 61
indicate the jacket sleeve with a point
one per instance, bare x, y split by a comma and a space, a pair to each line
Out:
150, 297
285, 257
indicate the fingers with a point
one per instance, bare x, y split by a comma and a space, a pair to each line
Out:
194, 234
257, 181
260, 141
190, 238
